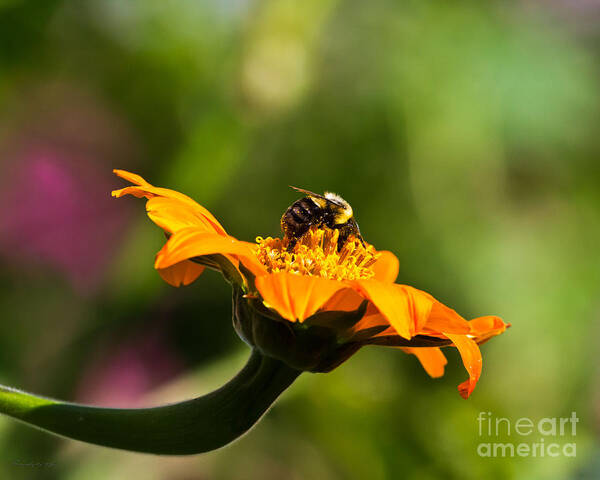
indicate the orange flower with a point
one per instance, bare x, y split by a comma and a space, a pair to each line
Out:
334, 301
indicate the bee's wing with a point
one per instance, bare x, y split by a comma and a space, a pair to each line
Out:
309, 193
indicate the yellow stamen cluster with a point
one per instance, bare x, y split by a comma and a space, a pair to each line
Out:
316, 254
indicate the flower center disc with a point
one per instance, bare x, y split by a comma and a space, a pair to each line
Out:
316, 254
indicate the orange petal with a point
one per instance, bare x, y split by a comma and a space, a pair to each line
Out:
195, 242
182, 273
296, 297
386, 267
471, 357
404, 307
144, 189
148, 190
346, 300
135, 191
444, 319
370, 321
172, 215
130, 177
484, 328
432, 359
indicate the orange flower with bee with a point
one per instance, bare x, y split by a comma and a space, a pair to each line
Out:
318, 294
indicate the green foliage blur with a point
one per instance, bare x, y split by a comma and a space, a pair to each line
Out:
464, 134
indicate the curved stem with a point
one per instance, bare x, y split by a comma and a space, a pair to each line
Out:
193, 426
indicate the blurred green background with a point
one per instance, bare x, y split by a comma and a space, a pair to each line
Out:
465, 135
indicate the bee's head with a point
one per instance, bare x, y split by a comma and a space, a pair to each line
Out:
341, 208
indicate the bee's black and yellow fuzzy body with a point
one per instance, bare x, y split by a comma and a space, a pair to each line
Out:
328, 210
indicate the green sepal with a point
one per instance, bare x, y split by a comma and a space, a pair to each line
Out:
338, 320
221, 264
250, 278
367, 333
312, 347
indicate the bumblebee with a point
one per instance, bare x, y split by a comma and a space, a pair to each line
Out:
328, 210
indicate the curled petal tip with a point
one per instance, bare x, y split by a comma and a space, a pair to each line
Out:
130, 177
466, 388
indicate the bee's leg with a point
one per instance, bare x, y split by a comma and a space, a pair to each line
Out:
295, 231
291, 244
361, 240
344, 234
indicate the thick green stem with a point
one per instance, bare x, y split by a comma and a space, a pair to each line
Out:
194, 426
